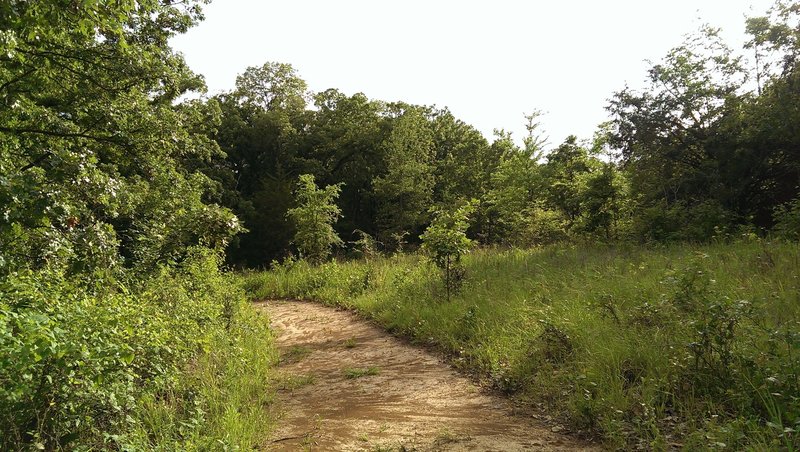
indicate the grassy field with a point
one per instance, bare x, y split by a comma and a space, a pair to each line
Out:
685, 346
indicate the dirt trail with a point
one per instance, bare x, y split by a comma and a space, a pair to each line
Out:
348, 385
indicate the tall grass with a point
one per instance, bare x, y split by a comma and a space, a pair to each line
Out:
224, 401
697, 346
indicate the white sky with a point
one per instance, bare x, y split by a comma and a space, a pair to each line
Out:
488, 61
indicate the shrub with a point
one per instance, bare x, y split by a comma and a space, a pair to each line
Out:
787, 220
78, 361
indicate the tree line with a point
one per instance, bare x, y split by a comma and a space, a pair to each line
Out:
707, 148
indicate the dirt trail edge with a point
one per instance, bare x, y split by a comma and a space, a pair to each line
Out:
347, 385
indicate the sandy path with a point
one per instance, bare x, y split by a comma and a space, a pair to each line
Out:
406, 399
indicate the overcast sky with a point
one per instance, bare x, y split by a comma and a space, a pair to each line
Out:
488, 61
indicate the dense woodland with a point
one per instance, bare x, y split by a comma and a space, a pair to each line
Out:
709, 147
121, 200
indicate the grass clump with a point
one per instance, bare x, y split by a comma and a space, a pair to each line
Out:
644, 347
355, 372
293, 382
294, 354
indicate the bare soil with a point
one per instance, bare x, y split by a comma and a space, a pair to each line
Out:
347, 385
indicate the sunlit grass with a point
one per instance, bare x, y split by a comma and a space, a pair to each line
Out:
356, 372
599, 334
228, 395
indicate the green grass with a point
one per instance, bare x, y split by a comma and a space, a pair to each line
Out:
225, 398
690, 345
293, 382
355, 372
294, 354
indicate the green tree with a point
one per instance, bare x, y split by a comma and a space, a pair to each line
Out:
566, 171
106, 226
314, 216
516, 185
603, 200
272, 86
464, 160
344, 143
672, 137
261, 134
405, 191
93, 138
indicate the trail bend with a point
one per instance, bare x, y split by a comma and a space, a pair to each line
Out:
350, 386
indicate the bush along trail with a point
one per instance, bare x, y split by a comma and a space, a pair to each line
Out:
348, 385
684, 347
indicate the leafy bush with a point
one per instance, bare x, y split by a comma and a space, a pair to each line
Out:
77, 362
787, 220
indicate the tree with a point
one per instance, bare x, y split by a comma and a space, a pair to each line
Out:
344, 143
463, 158
106, 230
405, 191
93, 138
604, 196
565, 173
445, 241
673, 141
515, 186
272, 86
314, 217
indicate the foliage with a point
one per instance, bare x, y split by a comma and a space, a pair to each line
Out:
273, 86
366, 246
314, 216
85, 366
704, 148
445, 241
406, 190
698, 137
93, 138
111, 300
787, 220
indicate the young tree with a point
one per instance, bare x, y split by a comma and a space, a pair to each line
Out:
566, 171
445, 240
314, 218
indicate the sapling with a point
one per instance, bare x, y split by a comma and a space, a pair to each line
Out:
446, 241
314, 217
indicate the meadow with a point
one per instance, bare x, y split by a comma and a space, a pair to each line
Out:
682, 346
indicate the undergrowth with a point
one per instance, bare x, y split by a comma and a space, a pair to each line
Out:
685, 346
176, 361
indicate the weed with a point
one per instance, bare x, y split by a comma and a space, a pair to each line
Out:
295, 354
355, 372
445, 436
293, 382
555, 344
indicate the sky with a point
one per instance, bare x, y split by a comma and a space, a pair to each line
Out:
490, 62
